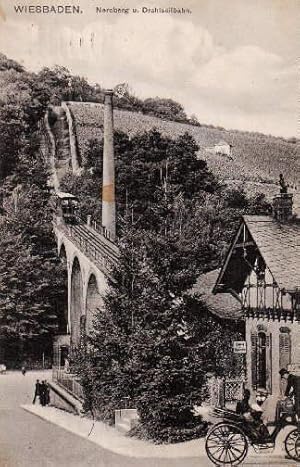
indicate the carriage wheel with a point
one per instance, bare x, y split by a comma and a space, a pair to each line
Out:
292, 445
226, 444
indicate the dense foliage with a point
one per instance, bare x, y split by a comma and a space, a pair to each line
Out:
155, 340
31, 290
68, 87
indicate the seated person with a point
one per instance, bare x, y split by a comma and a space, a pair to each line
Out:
253, 415
243, 406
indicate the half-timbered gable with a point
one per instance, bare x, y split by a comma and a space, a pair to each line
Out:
262, 271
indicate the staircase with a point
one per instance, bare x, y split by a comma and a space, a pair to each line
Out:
59, 128
61, 133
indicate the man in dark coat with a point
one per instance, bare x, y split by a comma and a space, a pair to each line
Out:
43, 390
47, 393
292, 388
37, 391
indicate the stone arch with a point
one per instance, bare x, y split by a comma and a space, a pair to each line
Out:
62, 306
93, 301
62, 251
76, 302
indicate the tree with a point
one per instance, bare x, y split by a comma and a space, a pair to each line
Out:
165, 108
8, 64
30, 288
154, 342
144, 164
150, 345
23, 100
32, 292
56, 80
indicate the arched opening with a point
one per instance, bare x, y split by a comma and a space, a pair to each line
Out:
93, 302
285, 349
76, 303
262, 360
62, 305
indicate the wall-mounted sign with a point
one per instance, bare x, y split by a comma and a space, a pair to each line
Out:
239, 347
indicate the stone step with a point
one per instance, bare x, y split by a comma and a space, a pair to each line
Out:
123, 427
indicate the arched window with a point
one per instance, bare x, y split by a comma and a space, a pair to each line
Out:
284, 347
261, 360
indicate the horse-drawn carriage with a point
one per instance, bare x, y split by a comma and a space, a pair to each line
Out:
228, 441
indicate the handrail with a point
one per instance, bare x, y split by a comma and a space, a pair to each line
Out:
69, 382
97, 251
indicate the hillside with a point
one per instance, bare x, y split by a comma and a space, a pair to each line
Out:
257, 159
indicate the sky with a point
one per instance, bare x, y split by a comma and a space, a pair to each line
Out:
233, 63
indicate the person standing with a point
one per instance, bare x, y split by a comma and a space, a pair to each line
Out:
43, 389
67, 365
37, 392
291, 387
47, 393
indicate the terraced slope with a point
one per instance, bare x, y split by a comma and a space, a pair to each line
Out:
257, 159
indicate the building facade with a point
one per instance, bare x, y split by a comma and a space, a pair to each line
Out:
261, 270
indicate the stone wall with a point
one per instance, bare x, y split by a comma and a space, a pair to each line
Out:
63, 400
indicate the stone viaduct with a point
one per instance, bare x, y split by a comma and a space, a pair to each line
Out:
89, 253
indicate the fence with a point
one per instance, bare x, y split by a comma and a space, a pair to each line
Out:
222, 390
69, 382
92, 247
38, 364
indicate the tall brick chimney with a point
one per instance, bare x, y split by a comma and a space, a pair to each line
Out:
108, 186
283, 203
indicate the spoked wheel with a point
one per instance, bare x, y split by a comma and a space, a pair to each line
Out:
292, 445
226, 444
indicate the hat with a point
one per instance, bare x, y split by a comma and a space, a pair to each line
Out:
262, 392
283, 371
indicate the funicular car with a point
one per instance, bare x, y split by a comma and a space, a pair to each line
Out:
227, 442
67, 207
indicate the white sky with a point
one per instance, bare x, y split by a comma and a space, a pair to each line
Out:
231, 62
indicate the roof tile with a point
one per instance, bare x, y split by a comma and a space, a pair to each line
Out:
222, 305
279, 245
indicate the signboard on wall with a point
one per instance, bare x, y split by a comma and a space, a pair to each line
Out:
239, 347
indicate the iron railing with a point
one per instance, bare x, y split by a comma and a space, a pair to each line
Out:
223, 390
69, 382
92, 246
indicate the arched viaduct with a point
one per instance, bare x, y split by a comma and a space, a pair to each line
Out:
88, 257
89, 254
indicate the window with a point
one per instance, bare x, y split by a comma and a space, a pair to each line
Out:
261, 357
262, 360
284, 347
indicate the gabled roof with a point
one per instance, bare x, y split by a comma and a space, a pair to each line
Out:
222, 305
279, 245
276, 243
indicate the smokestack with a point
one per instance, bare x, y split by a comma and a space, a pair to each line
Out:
108, 187
283, 207
283, 203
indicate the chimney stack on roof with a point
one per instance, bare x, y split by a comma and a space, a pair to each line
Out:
108, 185
283, 203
